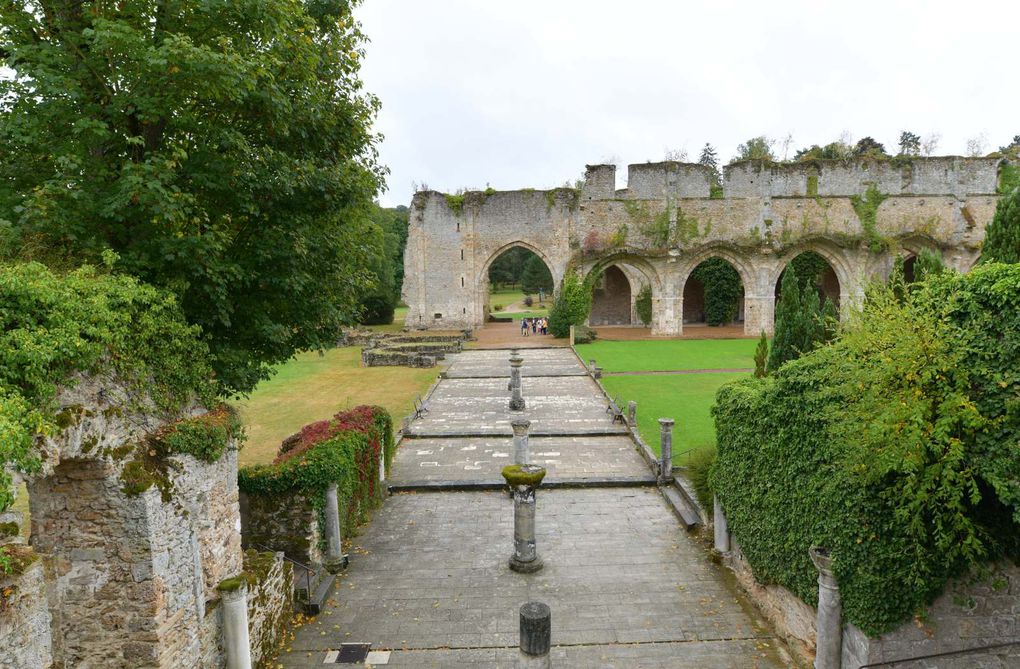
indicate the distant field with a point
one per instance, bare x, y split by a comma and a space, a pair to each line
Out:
670, 354
312, 387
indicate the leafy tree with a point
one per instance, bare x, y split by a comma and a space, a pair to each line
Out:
833, 151
710, 160
1002, 237
508, 268
723, 290
1013, 148
802, 321
536, 276
224, 151
910, 144
643, 304
869, 146
761, 356
756, 148
384, 243
928, 264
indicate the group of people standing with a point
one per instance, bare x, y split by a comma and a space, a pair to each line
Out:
535, 325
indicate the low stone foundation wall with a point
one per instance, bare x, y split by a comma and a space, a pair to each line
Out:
968, 615
384, 357
25, 617
286, 523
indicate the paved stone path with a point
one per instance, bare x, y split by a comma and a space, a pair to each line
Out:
429, 580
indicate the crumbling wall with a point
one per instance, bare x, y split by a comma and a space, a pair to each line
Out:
288, 523
270, 593
25, 617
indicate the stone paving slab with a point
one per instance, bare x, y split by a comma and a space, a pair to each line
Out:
456, 459
537, 362
626, 587
556, 405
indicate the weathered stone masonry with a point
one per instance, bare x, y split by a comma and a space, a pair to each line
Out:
667, 222
131, 575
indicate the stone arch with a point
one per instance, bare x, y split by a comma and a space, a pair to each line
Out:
481, 282
634, 261
842, 267
749, 308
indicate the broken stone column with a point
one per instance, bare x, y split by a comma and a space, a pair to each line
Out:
524, 481
665, 450
517, 398
829, 622
520, 427
722, 530
510, 383
632, 413
536, 636
236, 645
334, 549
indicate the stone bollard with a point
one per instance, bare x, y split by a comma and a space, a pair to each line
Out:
829, 623
632, 413
334, 549
236, 645
524, 481
722, 530
665, 450
597, 373
591, 366
536, 636
520, 427
517, 398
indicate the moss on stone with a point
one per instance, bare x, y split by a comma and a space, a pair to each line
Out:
10, 529
455, 203
233, 584
15, 559
68, 416
528, 475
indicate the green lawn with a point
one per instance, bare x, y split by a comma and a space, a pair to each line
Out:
312, 387
686, 398
670, 354
504, 298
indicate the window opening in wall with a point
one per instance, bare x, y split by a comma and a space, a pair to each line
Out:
458, 226
464, 310
437, 315
461, 282
462, 254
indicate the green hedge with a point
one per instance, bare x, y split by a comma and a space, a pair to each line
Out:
344, 450
897, 447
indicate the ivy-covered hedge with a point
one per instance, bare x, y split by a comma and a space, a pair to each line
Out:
344, 450
55, 326
897, 447
723, 290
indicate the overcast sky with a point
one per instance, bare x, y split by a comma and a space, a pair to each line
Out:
525, 93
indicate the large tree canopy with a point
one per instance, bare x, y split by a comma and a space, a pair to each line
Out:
223, 150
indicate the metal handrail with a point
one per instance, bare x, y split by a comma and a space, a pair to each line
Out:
962, 651
309, 571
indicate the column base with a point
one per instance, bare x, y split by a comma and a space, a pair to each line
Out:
335, 566
517, 405
525, 567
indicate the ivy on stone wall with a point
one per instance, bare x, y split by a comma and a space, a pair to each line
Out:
723, 290
866, 206
54, 327
344, 450
643, 304
897, 447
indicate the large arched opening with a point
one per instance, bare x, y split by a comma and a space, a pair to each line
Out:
713, 294
813, 272
517, 282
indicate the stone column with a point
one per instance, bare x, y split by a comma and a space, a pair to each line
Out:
722, 530
524, 481
829, 623
520, 427
632, 413
334, 550
236, 645
667, 319
759, 314
665, 450
517, 398
510, 383
591, 366
536, 636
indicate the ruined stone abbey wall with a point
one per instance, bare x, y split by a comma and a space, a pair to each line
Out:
668, 220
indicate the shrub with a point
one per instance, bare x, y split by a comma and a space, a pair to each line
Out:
643, 304
497, 307
723, 290
698, 469
528, 301
345, 450
573, 304
1002, 238
897, 447
761, 356
584, 334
